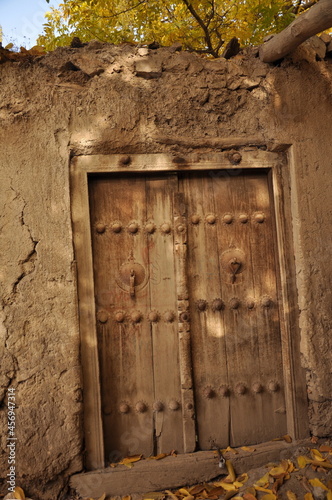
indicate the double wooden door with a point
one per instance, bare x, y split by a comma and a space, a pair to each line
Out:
187, 311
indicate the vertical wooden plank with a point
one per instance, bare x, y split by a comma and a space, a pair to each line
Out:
163, 313
188, 410
117, 208
206, 312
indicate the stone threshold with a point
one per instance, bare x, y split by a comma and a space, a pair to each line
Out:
176, 471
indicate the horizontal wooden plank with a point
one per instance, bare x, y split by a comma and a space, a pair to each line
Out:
251, 157
174, 472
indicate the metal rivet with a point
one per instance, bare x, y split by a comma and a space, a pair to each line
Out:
169, 316
173, 405
208, 392
140, 407
266, 301
240, 389
102, 316
158, 406
235, 158
133, 227
119, 316
211, 219
165, 228
224, 391
124, 408
273, 386
150, 228
243, 218
189, 406
153, 317
217, 305
116, 227
125, 160
250, 303
136, 316
259, 217
201, 305
227, 218
257, 388
184, 316
100, 228
195, 219
180, 228
234, 303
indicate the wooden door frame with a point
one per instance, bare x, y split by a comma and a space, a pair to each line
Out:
227, 162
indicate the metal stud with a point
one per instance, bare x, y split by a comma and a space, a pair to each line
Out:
184, 316
180, 228
243, 218
158, 406
217, 305
165, 228
119, 316
116, 227
150, 228
227, 218
189, 406
208, 392
240, 389
273, 386
169, 316
266, 301
235, 158
259, 217
201, 305
153, 316
224, 391
102, 316
195, 219
124, 408
136, 316
234, 303
140, 407
211, 219
250, 303
100, 227
257, 387
133, 227
173, 405
125, 160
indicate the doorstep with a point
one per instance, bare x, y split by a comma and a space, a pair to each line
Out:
176, 471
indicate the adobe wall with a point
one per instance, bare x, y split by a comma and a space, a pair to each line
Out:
123, 99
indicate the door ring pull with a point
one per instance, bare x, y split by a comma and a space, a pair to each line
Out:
132, 283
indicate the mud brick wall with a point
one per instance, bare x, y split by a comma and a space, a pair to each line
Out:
103, 99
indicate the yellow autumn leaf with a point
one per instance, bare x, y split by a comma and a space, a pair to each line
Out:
269, 496
260, 488
127, 497
308, 496
226, 486
189, 497
316, 483
102, 497
230, 450
249, 496
237, 484
329, 495
263, 480
195, 490
128, 461
8, 47
19, 493
326, 465
276, 471
231, 471
184, 492
170, 494
243, 478
316, 455
287, 438
291, 495
303, 461
159, 457
247, 448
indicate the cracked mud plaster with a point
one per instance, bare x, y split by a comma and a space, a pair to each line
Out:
102, 99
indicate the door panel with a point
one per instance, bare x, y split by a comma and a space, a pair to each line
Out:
165, 243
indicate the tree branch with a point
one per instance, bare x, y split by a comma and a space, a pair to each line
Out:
200, 21
311, 22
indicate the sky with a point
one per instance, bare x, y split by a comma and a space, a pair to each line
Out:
22, 20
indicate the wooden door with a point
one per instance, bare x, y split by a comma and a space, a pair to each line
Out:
153, 236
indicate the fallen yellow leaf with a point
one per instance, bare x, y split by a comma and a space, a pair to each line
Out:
287, 438
291, 495
243, 478
263, 481
329, 495
316, 455
102, 497
159, 457
269, 496
127, 497
276, 471
128, 461
308, 496
170, 494
303, 461
195, 490
249, 496
326, 465
19, 493
230, 450
247, 448
316, 483
226, 486
184, 492
259, 488
231, 471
